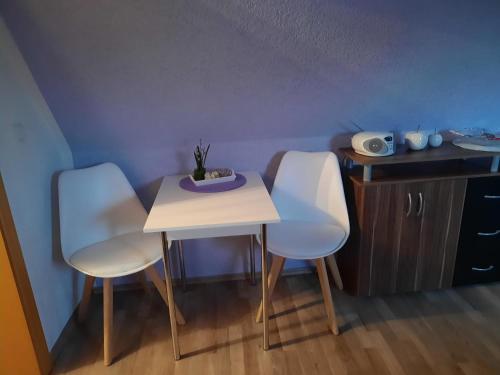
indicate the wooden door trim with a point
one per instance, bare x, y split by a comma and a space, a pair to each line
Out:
16, 260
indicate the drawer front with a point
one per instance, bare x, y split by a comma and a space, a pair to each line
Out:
482, 270
481, 233
485, 189
478, 260
481, 212
483, 201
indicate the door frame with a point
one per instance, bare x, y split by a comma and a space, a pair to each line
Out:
16, 260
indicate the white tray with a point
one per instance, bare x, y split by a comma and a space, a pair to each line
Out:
213, 181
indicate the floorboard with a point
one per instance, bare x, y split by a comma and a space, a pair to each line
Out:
453, 331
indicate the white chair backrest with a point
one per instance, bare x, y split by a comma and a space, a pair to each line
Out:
96, 204
308, 186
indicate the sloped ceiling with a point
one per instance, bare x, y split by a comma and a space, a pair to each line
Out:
140, 76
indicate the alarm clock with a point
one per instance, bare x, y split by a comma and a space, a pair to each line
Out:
373, 143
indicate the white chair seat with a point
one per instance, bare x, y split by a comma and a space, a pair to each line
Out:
119, 256
304, 240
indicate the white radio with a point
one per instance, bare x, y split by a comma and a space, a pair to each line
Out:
373, 143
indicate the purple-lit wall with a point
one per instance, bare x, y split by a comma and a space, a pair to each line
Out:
139, 82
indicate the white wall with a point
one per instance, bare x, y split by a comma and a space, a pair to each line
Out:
32, 150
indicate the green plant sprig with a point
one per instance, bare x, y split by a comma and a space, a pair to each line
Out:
200, 155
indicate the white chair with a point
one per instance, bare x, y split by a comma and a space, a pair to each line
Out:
309, 196
101, 222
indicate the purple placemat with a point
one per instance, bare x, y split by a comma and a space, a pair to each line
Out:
187, 184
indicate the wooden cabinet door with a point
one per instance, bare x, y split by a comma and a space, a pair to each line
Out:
440, 206
383, 246
392, 229
407, 252
381, 230
405, 237
429, 235
367, 264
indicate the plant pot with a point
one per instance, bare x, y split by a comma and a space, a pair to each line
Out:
199, 174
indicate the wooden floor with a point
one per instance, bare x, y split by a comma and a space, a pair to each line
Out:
455, 331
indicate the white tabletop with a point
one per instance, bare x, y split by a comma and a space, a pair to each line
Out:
184, 214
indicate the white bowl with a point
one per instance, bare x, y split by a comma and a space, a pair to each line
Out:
212, 181
417, 140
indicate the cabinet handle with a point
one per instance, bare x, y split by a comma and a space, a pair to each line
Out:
492, 197
490, 268
408, 211
420, 204
488, 234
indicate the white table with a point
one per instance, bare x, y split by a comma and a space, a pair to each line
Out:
179, 214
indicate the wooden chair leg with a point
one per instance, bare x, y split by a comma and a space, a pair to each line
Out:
276, 268
160, 286
84, 303
334, 269
252, 260
182, 266
108, 320
141, 277
327, 295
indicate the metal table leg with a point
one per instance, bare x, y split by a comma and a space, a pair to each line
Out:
494, 164
170, 296
367, 173
252, 259
265, 290
182, 267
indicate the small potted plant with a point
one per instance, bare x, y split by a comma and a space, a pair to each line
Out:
200, 156
202, 176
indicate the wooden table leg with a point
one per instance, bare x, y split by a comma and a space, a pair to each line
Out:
170, 295
265, 290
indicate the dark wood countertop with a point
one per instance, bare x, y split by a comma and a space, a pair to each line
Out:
404, 155
447, 161
425, 171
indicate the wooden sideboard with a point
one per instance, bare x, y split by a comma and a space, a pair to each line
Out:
405, 222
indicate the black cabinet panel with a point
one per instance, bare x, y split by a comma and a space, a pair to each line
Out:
478, 257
